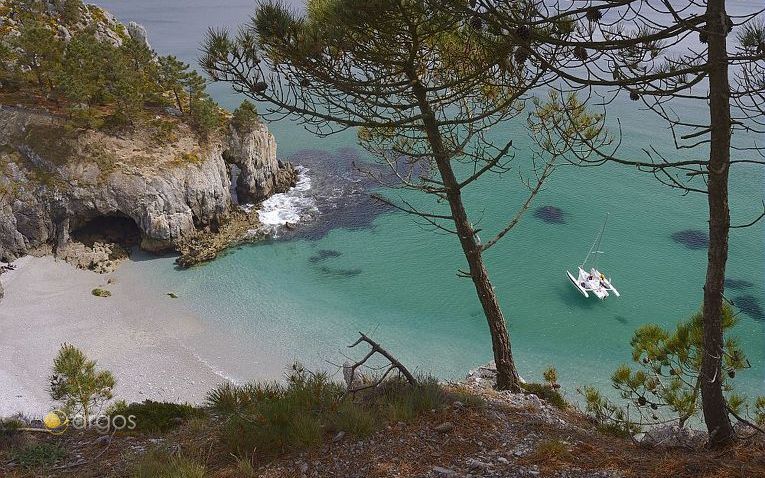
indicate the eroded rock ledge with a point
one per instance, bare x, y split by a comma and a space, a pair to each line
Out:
55, 182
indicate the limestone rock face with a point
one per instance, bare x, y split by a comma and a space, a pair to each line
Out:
53, 181
253, 151
138, 33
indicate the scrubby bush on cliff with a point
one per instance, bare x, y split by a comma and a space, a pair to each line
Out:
150, 416
274, 418
96, 81
37, 54
77, 385
666, 386
205, 116
162, 464
245, 117
70, 10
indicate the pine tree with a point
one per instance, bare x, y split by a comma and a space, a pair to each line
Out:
421, 85
173, 76
662, 55
39, 52
77, 384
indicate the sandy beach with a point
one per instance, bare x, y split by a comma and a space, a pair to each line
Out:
140, 335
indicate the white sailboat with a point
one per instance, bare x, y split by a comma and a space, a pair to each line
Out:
593, 281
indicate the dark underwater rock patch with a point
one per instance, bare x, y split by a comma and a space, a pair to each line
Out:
324, 254
738, 284
750, 305
692, 239
330, 271
342, 193
550, 214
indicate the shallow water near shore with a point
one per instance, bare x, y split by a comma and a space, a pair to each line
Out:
306, 294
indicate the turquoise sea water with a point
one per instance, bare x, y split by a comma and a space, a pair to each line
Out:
397, 280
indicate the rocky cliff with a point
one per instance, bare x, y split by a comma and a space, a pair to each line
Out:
55, 182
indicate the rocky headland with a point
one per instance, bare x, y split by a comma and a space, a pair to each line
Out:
89, 194
57, 182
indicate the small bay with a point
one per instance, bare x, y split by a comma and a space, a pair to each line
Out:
379, 273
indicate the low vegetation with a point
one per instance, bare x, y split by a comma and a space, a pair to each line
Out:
310, 408
161, 464
156, 417
38, 455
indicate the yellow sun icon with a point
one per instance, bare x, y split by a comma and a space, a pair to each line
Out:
56, 421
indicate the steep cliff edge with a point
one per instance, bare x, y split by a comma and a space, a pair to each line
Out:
55, 182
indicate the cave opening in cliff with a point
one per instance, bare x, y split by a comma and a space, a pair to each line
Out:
115, 229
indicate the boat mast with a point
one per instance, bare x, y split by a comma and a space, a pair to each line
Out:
596, 245
600, 238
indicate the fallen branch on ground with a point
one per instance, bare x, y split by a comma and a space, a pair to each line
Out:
350, 371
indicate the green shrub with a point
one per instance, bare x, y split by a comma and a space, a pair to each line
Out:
551, 450
759, 408
38, 455
70, 10
245, 118
152, 417
161, 464
666, 382
402, 402
205, 116
264, 420
101, 292
229, 399
276, 419
551, 376
9, 432
354, 419
244, 469
546, 393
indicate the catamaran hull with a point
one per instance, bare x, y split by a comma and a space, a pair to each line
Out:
592, 282
577, 284
611, 288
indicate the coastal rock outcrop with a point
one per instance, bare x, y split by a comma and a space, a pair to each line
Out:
253, 151
55, 181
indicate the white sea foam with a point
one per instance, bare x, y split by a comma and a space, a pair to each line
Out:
290, 207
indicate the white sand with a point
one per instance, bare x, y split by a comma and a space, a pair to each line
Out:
137, 334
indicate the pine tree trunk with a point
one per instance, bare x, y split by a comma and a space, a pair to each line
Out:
713, 402
507, 375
